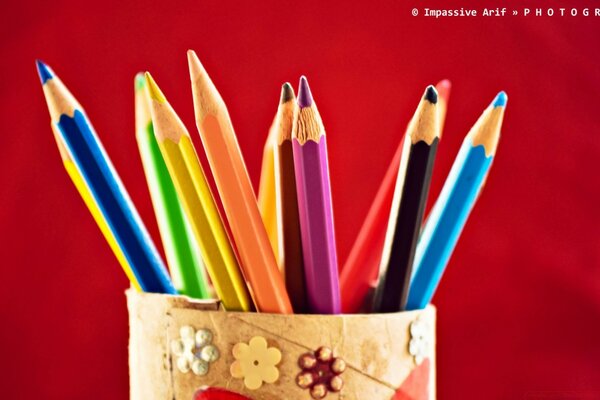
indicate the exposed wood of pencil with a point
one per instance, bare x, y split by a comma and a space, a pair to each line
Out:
193, 190
286, 191
89, 201
454, 204
412, 187
360, 271
237, 196
104, 184
311, 167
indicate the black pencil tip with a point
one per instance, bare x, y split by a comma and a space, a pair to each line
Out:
287, 93
431, 94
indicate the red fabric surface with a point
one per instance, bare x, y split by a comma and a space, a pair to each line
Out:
519, 306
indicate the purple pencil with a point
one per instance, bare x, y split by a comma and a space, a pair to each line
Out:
314, 206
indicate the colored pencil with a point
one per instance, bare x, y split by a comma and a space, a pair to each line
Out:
192, 188
408, 205
311, 167
237, 196
455, 202
285, 188
267, 200
360, 271
180, 247
89, 201
106, 187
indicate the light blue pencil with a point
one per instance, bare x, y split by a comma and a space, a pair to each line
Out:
453, 206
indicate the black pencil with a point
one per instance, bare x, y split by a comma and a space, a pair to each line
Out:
410, 196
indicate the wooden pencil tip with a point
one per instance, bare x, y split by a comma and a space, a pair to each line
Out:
153, 90
140, 81
500, 100
305, 98
44, 71
431, 95
287, 93
194, 64
443, 88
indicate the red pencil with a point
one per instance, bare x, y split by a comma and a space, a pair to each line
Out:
361, 269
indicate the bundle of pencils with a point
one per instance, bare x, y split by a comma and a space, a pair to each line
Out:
281, 253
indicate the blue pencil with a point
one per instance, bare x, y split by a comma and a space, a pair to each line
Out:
105, 185
453, 206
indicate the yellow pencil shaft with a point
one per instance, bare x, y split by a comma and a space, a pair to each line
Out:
89, 201
198, 203
267, 202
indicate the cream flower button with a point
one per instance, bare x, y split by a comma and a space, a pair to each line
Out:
255, 362
194, 351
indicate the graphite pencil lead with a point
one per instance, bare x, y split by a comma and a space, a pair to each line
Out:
305, 98
44, 71
431, 94
287, 93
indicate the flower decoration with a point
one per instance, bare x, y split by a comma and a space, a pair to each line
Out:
420, 340
255, 362
320, 372
194, 350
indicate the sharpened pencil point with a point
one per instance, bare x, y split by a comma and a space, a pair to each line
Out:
431, 94
155, 93
140, 81
443, 88
287, 93
500, 100
194, 64
44, 71
305, 98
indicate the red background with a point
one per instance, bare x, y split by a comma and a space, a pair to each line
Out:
519, 307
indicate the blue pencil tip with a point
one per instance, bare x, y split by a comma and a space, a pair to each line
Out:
500, 100
44, 71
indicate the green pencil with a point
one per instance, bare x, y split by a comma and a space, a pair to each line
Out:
181, 250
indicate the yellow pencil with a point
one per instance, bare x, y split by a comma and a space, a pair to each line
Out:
190, 183
89, 201
267, 199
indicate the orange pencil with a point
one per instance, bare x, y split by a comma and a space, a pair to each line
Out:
361, 269
239, 202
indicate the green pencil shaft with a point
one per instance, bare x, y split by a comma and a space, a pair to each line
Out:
182, 253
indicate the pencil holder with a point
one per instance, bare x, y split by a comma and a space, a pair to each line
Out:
185, 349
